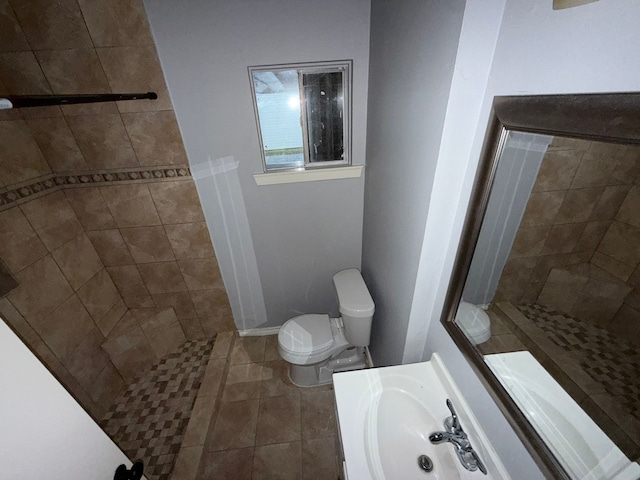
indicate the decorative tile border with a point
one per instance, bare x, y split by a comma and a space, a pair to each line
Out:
15, 195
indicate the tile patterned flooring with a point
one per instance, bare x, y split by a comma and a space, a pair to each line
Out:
597, 368
248, 422
264, 427
148, 421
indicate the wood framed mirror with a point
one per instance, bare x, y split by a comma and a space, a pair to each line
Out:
550, 255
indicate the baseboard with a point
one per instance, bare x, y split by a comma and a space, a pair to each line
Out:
259, 332
367, 356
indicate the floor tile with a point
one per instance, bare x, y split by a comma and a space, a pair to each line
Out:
247, 350
282, 461
319, 459
275, 379
278, 420
227, 465
235, 426
318, 414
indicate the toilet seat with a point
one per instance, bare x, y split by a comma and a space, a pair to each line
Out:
306, 339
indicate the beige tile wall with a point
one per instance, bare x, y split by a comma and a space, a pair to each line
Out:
111, 277
584, 209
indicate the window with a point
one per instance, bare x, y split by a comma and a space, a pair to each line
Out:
303, 114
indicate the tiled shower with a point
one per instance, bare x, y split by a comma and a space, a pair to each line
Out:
100, 221
570, 290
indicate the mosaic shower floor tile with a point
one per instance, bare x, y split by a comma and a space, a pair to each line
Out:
149, 419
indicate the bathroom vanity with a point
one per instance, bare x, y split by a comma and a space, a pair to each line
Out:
385, 416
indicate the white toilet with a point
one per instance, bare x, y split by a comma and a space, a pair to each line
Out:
316, 346
474, 322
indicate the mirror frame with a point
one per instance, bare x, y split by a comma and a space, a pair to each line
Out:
608, 117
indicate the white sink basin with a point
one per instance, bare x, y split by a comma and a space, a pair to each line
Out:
386, 415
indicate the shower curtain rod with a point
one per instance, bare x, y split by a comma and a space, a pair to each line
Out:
19, 101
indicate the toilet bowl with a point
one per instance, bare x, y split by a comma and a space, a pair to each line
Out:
474, 322
316, 345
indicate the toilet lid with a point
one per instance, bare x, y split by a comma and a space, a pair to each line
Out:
306, 334
473, 319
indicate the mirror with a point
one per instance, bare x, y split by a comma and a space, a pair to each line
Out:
544, 299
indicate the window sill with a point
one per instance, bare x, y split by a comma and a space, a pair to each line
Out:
336, 173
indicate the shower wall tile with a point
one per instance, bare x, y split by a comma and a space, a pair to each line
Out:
131, 205
135, 69
20, 156
190, 240
57, 144
107, 386
612, 266
88, 76
21, 74
628, 166
90, 208
42, 288
162, 277
103, 141
128, 280
594, 170
192, 328
78, 260
99, 295
130, 353
155, 138
12, 38
592, 236
610, 202
211, 326
102, 108
578, 205
110, 247
518, 270
210, 303
138, 301
557, 170
542, 208
563, 238
116, 23
529, 242
20, 246
201, 274
112, 317
622, 242
177, 202
630, 209
71, 316
180, 302
50, 25
53, 219
163, 331
148, 244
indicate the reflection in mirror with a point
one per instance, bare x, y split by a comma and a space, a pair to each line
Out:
549, 299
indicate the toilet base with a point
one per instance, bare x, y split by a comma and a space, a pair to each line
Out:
352, 358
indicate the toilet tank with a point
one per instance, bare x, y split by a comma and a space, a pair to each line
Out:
356, 306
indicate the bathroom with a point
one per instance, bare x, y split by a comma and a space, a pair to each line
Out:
399, 222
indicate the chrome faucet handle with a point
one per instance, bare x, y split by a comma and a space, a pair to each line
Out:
470, 460
452, 424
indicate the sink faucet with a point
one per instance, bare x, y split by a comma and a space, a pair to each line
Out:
454, 434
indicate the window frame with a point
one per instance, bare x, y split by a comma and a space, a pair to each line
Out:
343, 66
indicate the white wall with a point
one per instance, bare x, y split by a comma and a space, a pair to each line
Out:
299, 234
44, 432
586, 49
413, 47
